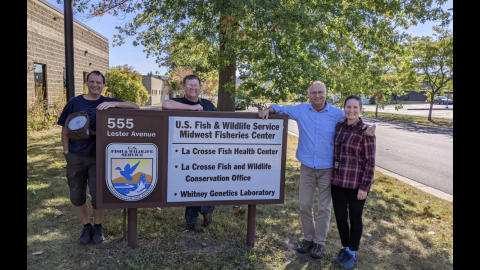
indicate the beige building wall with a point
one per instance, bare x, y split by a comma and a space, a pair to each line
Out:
156, 89
46, 45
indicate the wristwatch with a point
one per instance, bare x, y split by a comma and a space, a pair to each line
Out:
66, 153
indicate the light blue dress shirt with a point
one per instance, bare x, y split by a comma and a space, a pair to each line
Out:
317, 133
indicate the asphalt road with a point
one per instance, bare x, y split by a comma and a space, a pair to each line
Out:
419, 152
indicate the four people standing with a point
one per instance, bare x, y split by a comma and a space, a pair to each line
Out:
328, 138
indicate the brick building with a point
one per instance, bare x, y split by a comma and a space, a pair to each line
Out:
46, 51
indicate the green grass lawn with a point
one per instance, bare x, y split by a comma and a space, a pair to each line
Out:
398, 219
415, 119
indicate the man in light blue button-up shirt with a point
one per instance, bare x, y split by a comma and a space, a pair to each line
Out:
317, 132
316, 122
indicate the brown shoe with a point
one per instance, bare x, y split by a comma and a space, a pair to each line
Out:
195, 227
207, 218
305, 247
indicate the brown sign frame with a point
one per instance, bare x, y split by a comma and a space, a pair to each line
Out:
106, 200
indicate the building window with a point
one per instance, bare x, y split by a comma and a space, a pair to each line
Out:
85, 77
64, 78
40, 73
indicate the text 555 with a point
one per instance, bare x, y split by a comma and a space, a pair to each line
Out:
120, 123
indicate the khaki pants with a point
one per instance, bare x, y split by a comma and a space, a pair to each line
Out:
310, 179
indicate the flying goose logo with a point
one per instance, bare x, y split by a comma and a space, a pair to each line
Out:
128, 171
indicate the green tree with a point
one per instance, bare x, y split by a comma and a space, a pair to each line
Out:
125, 83
290, 43
393, 77
433, 62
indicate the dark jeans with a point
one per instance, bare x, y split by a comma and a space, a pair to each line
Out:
345, 205
191, 213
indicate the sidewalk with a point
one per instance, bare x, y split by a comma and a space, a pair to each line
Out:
439, 111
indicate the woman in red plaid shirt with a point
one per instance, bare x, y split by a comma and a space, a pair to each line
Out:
354, 167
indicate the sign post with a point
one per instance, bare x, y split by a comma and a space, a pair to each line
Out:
252, 225
132, 228
156, 159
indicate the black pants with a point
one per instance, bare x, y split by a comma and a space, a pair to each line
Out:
346, 204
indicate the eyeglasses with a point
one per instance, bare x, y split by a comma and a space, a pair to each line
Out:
196, 86
317, 93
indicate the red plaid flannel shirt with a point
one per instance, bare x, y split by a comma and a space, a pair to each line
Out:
356, 154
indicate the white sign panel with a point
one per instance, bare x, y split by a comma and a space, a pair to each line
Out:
223, 159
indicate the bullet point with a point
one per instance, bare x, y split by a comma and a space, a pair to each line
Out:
176, 151
175, 194
176, 167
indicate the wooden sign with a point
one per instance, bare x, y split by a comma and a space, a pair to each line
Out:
148, 159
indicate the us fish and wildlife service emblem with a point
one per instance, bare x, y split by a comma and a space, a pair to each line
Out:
132, 170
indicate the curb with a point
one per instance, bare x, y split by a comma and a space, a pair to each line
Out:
427, 189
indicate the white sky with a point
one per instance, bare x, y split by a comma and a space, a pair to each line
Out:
134, 56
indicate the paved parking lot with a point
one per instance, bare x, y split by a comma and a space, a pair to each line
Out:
439, 111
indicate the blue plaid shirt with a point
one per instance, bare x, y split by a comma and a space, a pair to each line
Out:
317, 133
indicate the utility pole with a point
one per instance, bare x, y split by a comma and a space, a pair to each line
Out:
69, 50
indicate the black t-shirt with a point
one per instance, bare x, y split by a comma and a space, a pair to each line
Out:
80, 104
207, 105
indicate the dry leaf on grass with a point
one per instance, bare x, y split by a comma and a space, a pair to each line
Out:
240, 212
37, 253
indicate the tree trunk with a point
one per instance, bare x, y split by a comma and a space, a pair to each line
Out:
432, 95
225, 101
431, 110
376, 112
226, 74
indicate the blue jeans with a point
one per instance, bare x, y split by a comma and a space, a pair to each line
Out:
191, 213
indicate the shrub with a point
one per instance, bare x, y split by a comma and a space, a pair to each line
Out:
42, 115
125, 83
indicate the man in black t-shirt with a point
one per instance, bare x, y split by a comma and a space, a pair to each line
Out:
193, 102
81, 155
